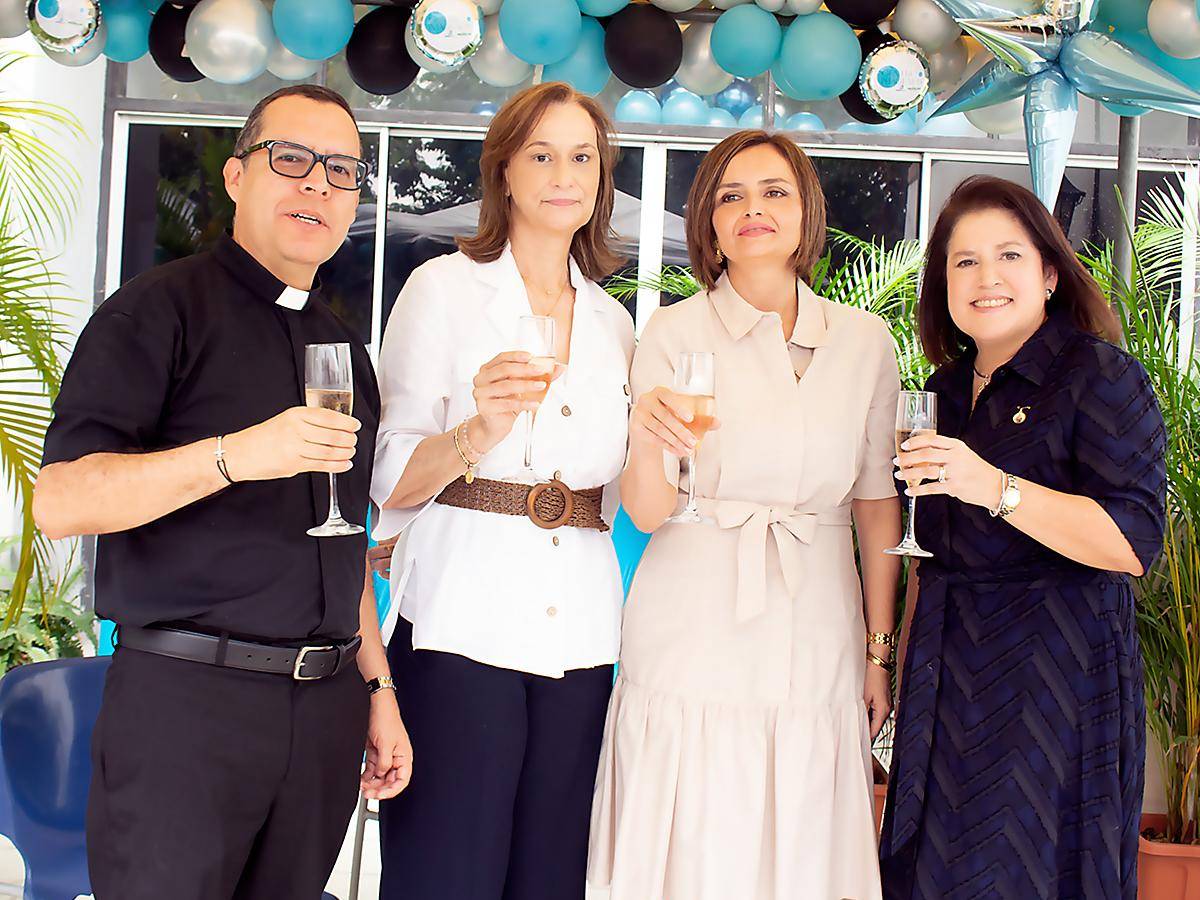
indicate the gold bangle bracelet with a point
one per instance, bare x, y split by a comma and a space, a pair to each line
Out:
882, 663
883, 638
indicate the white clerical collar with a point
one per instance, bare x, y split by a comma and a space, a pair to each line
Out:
292, 298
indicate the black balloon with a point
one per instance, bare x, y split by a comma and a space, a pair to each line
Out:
861, 13
643, 46
852, 99
376, 56
166, 42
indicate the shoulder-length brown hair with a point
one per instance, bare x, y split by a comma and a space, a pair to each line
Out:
1077, 293
506, 135
702, 200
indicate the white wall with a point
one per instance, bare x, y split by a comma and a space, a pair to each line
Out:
81, 91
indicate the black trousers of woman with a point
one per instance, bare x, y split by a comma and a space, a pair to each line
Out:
504, 765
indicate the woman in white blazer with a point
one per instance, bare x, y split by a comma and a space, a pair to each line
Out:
509, 587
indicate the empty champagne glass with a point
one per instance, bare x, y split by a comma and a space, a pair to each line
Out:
916, 413
695, 377
535, 335
329, 384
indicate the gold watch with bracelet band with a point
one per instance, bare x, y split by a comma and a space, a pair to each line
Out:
382, 683
1010, 496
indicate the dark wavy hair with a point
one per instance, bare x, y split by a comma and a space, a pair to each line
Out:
1077, 293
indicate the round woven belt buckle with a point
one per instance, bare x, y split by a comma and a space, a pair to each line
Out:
539, 518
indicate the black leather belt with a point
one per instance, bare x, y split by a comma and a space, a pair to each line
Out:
308, 663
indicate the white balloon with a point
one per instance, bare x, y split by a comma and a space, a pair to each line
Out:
488, 7
410, 44
1002, 118
14, 18
801, 7
1175, 27
675, 6
729, 4
946, 67
285, 64
230, 41
86, 54
925, 24
699, 72
493, 63
771, 6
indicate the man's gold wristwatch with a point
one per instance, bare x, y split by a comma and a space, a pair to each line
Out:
382, 683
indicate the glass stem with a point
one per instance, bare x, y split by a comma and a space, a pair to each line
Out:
691, 503
335, 511
529, 414
910, 535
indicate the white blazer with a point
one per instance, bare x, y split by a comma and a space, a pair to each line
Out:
497, 588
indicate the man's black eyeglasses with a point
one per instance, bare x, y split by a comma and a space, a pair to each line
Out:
346, 173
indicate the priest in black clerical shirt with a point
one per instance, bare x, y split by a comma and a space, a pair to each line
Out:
249, 672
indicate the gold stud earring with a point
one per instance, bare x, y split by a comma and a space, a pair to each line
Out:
720, 255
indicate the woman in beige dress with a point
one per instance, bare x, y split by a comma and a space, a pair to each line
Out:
736, 761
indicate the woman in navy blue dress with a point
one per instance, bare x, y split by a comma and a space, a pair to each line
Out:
1018, 769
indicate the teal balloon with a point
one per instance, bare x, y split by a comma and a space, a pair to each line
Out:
685, 108
752, 118
782, 82
745, 40
313, 29
128, 26
637, 106
152, 5
804, 121
1125, 109
630, 544
820, 56
586, 69
541, 32
1123, 15
721, 118
601, 7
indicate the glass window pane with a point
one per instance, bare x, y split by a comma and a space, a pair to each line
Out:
176, 205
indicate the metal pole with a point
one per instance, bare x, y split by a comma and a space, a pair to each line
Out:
1127, 172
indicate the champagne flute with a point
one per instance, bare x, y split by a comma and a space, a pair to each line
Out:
535, 335
916, 413
329, 384
695, 377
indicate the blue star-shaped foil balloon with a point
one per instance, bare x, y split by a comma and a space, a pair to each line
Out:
1045, 53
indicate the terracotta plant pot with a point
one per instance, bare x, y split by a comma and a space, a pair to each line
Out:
1167, 871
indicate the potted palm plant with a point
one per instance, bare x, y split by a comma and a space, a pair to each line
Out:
37, 191
1169, 595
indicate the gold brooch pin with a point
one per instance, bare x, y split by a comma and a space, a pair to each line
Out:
1019, 415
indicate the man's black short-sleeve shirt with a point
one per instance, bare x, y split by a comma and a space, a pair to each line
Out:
193, 349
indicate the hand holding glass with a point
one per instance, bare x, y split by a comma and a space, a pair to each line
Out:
535, 335
916, 413
695, 378
329, 384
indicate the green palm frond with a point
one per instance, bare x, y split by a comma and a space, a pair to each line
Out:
37, 191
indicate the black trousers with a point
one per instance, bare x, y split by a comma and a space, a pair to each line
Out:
212, 783
504, 764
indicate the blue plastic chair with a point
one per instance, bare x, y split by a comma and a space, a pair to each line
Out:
46, 715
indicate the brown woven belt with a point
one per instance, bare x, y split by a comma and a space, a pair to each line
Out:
548, 505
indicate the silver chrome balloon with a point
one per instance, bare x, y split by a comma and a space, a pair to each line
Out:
699, 72
448, 32
69, 29
946, 67
493, 63
230, 41
414, 52
1175, 27
925, 24
284, 64
14, 18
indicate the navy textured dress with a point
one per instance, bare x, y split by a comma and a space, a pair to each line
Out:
1018, 768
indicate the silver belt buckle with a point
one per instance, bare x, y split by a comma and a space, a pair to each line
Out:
304, 651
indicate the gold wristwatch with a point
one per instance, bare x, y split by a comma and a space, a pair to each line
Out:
382, 683
1010, 497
